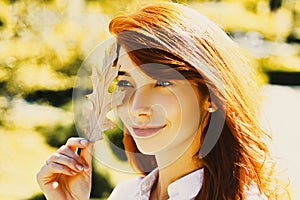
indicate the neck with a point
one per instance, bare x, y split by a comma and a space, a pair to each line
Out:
174, 164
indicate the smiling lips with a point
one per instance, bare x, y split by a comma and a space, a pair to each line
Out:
147, 131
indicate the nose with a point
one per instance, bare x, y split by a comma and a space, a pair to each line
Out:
140, 106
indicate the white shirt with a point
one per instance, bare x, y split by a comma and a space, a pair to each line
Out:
185, 188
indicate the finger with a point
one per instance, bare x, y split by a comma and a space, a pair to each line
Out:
57, 168
68, 151
77, 142
77, 164
48, 171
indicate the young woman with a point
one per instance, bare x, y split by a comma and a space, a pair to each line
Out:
189, 114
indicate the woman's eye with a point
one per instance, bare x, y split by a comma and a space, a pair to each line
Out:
161, 83
123, 83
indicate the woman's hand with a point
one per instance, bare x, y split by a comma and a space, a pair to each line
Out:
66, 174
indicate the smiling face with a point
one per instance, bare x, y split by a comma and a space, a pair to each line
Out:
159, 114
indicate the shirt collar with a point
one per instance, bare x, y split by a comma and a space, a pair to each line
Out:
147, 183
187, 187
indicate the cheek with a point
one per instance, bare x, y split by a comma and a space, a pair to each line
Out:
191, 115
122, 112
179, 108
123, 108
167, 105
190, 112
128, 95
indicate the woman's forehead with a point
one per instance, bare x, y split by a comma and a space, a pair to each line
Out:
126, 65
128, 68
124, 62
154, 69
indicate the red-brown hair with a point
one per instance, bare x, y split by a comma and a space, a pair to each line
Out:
180, 37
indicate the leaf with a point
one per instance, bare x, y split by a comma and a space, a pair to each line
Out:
101, 99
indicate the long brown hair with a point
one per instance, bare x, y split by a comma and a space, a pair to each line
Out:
180, 37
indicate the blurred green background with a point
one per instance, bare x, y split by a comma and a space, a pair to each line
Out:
43, 43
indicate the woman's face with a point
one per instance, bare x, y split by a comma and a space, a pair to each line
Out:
159, 114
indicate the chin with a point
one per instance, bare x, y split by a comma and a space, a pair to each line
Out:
147, 150
151, 148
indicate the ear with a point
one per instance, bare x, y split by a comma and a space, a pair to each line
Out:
210, 106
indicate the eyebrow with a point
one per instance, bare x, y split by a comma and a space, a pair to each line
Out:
123, 73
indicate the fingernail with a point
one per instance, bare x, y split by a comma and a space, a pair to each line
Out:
83, 142
85, 168
73, 173
80, 167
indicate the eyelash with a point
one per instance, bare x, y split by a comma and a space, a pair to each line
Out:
159, 83
123, 83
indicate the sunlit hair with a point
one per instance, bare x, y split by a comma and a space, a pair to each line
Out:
177, 36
